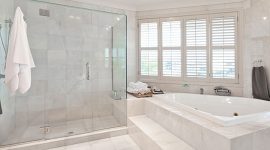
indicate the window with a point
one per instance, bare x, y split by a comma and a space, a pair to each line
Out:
149, 49
171, 48
196, 47
223, 47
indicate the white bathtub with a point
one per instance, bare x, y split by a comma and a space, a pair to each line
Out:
219, 109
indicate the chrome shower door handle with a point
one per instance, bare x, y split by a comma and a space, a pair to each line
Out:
87, 71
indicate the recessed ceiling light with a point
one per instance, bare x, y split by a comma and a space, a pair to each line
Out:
264, 18
118, 19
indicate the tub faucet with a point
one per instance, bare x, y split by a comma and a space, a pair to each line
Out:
201, 91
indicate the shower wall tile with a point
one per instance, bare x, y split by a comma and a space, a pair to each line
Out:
54, 116
40, 72
74, 57
75, 100
73, 43
36, 103
75, 113
21, 109
36, 106
37, 27
57, 87
56, 73
56, 101
40, 57
38, 88
76, 72
57, 58
56, 43
54, 26
37, 41
36, 118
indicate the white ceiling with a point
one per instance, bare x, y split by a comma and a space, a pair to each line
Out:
141, 5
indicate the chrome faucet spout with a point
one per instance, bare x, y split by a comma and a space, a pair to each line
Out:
201, 91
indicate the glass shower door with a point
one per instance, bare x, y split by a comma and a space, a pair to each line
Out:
79, 83
69, 109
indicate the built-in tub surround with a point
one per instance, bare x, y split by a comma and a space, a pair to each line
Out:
225, 111
201, 133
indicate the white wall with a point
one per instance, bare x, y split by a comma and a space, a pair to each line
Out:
256, 40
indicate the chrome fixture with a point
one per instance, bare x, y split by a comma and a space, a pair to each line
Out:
185, 85
201, 91
222, 91
116, 95
87, 71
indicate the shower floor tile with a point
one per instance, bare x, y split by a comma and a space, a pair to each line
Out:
114, 143
33, 133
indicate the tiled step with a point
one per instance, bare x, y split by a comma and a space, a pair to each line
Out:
151, 136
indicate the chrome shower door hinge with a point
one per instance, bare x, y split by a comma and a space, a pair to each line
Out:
45, 129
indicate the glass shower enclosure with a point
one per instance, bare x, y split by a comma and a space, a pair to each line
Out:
79, 83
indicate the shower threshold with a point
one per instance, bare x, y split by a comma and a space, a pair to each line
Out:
69, 140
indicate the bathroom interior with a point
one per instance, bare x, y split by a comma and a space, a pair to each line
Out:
134, 75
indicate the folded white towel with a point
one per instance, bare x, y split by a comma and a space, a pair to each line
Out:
138, 87
19, 58
137, 91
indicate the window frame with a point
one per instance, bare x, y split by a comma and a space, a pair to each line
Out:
203, 81
150, 78
168, 78
236, 47
194, 79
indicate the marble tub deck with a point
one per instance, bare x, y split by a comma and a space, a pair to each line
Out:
199, 132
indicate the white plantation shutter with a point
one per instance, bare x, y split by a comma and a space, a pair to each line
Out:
149, 49
171, 48
196, 48
223, 46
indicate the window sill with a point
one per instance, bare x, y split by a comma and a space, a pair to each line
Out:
191, 82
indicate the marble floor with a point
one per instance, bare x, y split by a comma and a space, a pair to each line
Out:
115, 143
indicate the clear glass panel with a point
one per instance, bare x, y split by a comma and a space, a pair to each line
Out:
79, 83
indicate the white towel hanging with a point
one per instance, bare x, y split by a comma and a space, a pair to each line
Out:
19, 58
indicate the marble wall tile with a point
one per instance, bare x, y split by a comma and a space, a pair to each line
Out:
37, 41
57, 58
73, 43
56, 43
57, 86
56, 73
